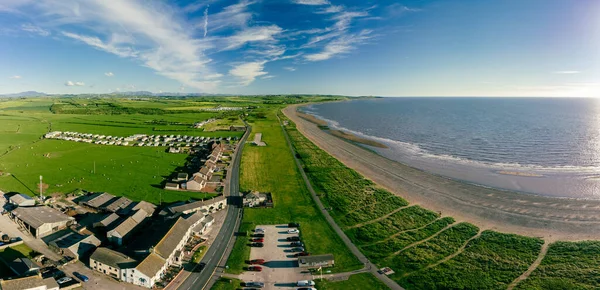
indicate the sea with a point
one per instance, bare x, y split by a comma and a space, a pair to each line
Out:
542, 146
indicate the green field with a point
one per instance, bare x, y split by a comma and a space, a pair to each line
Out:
11, 253
364, 281
272, 169
227, 284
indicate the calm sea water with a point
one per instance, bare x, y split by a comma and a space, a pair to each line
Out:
479, 140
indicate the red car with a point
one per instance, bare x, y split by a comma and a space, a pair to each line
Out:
255, 268
257, 262
301, 254
258, 240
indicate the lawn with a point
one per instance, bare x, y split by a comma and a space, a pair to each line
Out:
272, 169
567, 265
19, 251
366, 281
199, 254
227, 284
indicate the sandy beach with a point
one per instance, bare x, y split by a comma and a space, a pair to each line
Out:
504, 211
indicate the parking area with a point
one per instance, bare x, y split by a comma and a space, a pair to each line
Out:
280, 269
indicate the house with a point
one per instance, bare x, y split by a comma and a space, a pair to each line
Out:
212, 161
172, 186
40, 220
182, 176
133, 207
112, 263
74, 244
315, 262
210, 205
107, 221
204, 224
237, 128
29, 283
196, 183
257, 140
122, 231
20, 199
205, 172
117, 204
23, 267
258, 199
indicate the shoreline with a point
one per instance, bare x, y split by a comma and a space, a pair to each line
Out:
489, 208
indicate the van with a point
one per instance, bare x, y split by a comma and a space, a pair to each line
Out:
306, 283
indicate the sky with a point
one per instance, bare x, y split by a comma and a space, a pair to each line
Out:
366, 47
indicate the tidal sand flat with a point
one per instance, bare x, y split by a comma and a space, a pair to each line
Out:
506, 211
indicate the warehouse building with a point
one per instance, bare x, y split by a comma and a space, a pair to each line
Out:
41, 221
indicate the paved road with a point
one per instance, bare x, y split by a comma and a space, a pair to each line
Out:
219, 251
368, 265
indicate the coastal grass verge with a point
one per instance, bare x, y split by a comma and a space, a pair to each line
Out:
366, 281
567, 265
272, 169
227, 284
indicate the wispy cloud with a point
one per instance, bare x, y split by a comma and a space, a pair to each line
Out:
267, 77
248, 72
35, 29
567, 72
15, 77
340, 45
290, 68
205, 21
105, 46
74, 84
252, 34
311, 2
109, 74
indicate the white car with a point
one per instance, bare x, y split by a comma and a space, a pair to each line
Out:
259, 230
293, 231
306, 283
64, 280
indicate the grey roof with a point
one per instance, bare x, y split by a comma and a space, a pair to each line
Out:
194, 218
315, 259
99, 199
130, 223
39, 215
22, 265
112, 258
204, 170
108, 220
119, 203
169, 242
182, 175
151, 265
25, 283
19, 198
146, 206
196, 204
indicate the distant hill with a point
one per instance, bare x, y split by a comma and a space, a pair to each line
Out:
24, 94
166, 94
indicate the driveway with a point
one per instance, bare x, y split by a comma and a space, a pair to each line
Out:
281, 269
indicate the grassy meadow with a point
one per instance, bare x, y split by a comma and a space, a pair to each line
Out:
366, 281
272, 169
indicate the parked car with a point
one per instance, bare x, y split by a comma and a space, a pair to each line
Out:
256, 262
306, 283
293, 231
297, 244
258, 240
259, 230
301, 254
255, 268
307, 288
64, 280
254, 284
259, 235
293, 225
298, 249
258, 245
293, 239
81, 277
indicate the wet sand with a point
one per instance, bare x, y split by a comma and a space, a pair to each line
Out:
504, 211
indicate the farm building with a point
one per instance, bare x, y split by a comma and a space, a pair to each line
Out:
122, 231
29, 283
97, 200
41, 220
112, 263
182, 176
258, 199
172, 186
23, 267
20, 199
237, 128
317, 261
117, 204
107, 221
74, 245
210, 205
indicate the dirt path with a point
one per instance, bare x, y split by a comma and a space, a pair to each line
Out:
403, 231
532, 267
379, 218
504, 211
423, 240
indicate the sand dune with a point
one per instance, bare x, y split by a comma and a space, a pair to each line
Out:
505, 211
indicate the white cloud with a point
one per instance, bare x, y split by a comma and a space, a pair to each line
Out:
109, 74
236, 15
290, 68
340, 45
248, 72
15, 77
213, 76
74, 84
205, 21
567, 72
331, 9
311, 2
252, 34
99, 44
35, 29
268, 77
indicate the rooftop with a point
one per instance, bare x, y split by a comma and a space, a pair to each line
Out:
39, 215
315, 259
28, 283
169, 242
196, 204
151, 265
99, 199
130, 223
19, 198
108, 219
119, 203
113, 258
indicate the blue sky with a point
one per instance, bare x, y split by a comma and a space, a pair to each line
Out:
385, 48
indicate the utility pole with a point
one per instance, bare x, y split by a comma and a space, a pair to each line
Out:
41, 195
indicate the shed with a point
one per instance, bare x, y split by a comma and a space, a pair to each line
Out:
20, 199
317, 261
